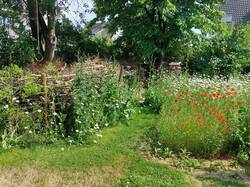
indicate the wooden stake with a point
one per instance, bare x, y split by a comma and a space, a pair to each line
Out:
121, 72
45, 89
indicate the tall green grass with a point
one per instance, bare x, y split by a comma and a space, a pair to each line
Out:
202, 115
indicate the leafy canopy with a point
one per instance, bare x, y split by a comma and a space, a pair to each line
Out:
160, 28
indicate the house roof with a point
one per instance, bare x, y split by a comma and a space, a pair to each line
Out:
238, 10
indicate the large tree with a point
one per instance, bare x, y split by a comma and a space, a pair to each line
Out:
160, 29
42, 18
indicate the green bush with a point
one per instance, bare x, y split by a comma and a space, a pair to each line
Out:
17, 51
73, 43
154, 94
241, 135
22, 110
223, 54
100, 100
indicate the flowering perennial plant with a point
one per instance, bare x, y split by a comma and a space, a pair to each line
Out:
201, 115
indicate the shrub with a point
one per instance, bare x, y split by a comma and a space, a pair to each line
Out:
22, 110
222, 54
73, 42
241, 134
200, 116
154, 94
17, 51
100, 100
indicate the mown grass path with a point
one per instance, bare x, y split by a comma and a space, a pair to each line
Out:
112, 161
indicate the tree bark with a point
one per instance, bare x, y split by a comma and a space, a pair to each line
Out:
47, 35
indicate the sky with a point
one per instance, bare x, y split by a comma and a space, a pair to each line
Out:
77, 6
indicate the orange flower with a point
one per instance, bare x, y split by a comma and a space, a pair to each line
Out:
220, 116
223, 123
199, 118
227, 107
196, 104
213, 113
200, 126
212, 108
203, 95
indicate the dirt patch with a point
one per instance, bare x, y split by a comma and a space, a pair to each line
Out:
220, 169
29, 177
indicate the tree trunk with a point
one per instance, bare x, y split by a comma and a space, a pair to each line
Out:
50, 46
46, 32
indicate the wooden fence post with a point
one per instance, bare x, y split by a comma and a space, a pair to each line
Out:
46, 100
121, 72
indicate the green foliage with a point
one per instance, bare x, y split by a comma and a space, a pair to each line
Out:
31, 89
202, 117
22, 110
16, 46
73, 42
157, 30
18, 50
155, 93
100, 100
224, 53
68, 38
241, 143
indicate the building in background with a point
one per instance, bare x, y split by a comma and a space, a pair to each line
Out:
237, 11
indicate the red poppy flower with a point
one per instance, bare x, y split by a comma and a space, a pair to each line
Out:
203, 95
203, 103
223, 123
208, 87
176, 100
199, 118
213, 113
238, 103
212, 108
200, 126
227, 86
220, 117
227, 107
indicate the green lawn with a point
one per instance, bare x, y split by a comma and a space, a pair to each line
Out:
112, 161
